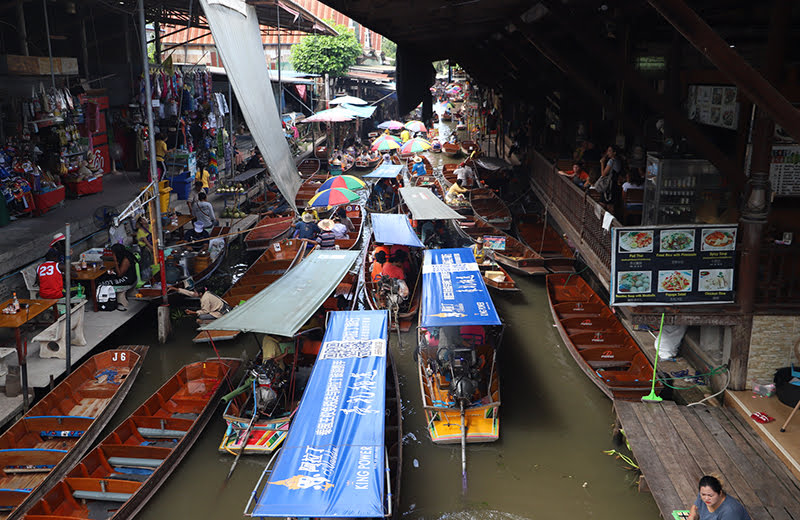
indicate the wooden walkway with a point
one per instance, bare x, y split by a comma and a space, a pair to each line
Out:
676, 445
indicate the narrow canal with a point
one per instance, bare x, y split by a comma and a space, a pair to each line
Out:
549, 462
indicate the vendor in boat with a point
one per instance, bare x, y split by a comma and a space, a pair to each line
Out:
713, 503
276, 348
211, 305
481, 253
197, 237
394, 268
418, 168
336, 166
456, 193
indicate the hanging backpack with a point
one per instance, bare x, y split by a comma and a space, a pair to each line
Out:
106, 298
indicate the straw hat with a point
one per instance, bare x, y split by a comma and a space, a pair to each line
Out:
198, 227
479, 240
325, 224
307, 217
58, 237
418, 159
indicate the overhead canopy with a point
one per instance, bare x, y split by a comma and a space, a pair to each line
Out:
424, 205
237, 35
394, 229
453, 292
362, 112
283, 307
331, 115
385, 171
350, 100
332, 463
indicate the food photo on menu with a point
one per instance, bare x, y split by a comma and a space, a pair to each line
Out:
636, 242
631, 282
718, 239
715, 280
677, 240
674, 281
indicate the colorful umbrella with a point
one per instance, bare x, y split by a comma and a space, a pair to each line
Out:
347, 99
332, 115
385, 142
415, 145
416, 126
391, 125
332, 197
343, 181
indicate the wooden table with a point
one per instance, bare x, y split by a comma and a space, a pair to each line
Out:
182, 221
91, 275
16, 321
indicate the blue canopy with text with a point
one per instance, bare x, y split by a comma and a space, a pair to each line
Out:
453, 292
394, 229
332, 463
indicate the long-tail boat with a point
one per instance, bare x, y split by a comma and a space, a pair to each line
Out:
267, 230
507, 250
490, 207
58, 430
309, 167
542, 238
597, 340
119, 476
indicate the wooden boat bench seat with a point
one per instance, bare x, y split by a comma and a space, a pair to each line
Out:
575, 325
31, 457
108, 490
578, 309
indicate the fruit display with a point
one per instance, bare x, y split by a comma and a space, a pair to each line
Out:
232, 212
234, 188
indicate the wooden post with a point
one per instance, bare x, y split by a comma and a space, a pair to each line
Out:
21, 29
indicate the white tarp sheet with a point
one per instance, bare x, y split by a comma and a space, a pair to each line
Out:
234, 26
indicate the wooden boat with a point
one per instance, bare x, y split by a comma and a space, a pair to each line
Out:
267, 230
596, 339
321, 153
542, 238
367, 165
425, 161
442, 414
490, 208
356, 215
470, 146
186, 267
309, 167
308, 189
449, 172
119, 476
377, 293
451, 149
515, 255
58, 430
430, 181
375, 204
497, 278
393, 432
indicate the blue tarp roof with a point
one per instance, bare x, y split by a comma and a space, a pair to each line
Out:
394, 229
332, 463
453, 292
385, 171
362, 112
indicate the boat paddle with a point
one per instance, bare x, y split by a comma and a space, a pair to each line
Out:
463, 453
247, 432
652, 397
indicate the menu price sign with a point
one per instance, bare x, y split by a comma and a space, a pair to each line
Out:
673, 265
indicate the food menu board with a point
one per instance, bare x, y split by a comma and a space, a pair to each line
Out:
673, 265
713, 105
784, 170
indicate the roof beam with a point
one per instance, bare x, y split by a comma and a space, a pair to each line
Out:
730, 63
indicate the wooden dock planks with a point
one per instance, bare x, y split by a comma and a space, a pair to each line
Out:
675, 445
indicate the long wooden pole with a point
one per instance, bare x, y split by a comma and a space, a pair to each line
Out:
463, 452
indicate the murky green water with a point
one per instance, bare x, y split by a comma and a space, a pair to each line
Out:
549, 461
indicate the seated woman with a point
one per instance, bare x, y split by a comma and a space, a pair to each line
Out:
714, 504
455, 193
122, 276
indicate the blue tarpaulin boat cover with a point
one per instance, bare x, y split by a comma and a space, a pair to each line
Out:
453, 292
283, 307
394, 229
385, 171
362, 112
332, 463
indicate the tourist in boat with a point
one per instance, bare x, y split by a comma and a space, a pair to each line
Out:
49, 277
387, 157
379, 259
714, 504
198, 235
339, 229
278, 207
341, 214
456, 193
418, 168
394, 267
326, 238
307, 227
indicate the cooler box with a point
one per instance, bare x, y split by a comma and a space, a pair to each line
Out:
45, 201
182, 185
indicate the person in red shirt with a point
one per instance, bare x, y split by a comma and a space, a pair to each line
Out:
49, 276
394, 268
377, 265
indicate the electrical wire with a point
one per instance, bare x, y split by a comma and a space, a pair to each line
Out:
725, 387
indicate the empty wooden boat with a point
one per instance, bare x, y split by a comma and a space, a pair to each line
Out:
267, 230
449, 172
308, 189
309, 167
119, 476
491, 208
451, 149
599, 343
542, 238
507, 250
57, 431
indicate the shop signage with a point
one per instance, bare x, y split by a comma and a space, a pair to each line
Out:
673, 265
713, 105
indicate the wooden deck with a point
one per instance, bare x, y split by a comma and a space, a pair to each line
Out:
676, 445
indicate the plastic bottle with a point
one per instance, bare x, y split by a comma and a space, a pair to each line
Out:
15, 303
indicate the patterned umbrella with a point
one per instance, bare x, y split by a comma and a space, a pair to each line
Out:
416, 126
332, 197
391, 125
385, 142
415, 145
343, 181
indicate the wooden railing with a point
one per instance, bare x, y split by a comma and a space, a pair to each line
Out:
779, 278
578, 215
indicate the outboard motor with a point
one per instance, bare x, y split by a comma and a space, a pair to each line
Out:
461, 365
269, 384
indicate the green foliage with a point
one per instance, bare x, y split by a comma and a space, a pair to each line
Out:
318, 54
389, 48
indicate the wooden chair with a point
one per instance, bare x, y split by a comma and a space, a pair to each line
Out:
632, 201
